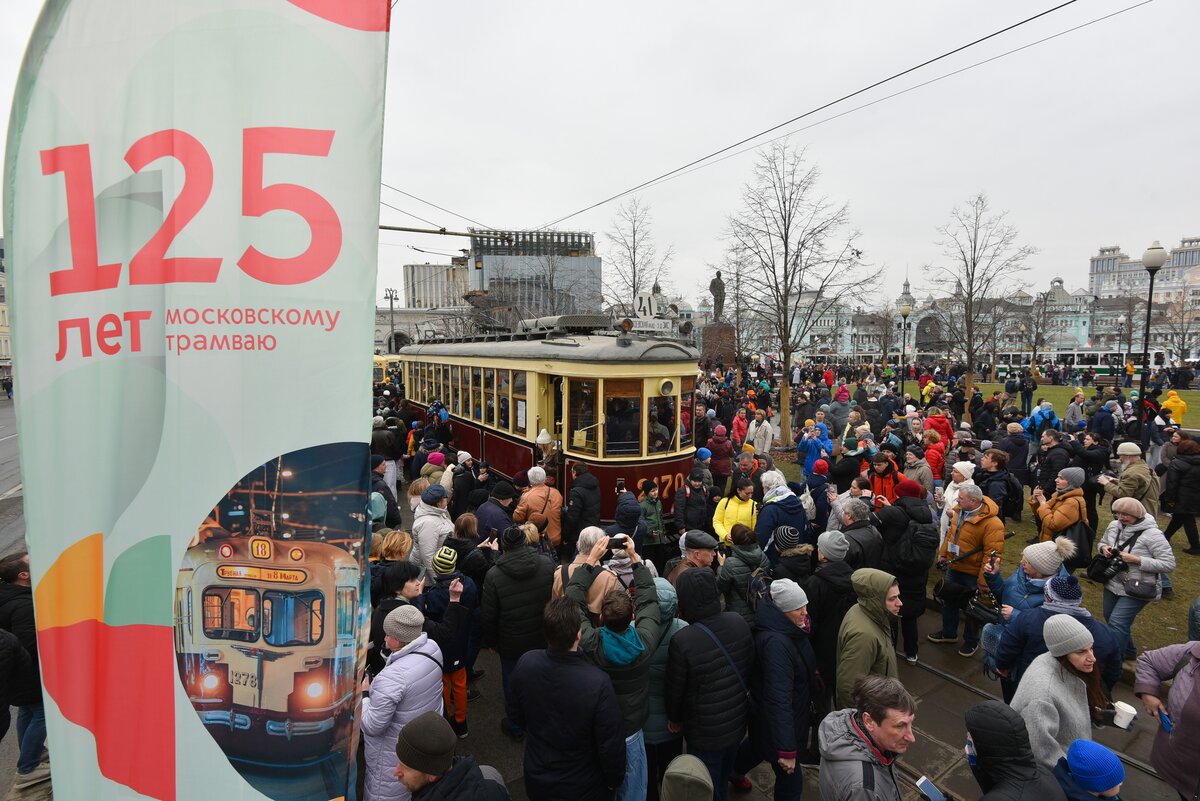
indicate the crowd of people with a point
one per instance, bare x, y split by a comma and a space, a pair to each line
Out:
761, 619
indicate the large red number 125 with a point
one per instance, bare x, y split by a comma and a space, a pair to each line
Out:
150, 265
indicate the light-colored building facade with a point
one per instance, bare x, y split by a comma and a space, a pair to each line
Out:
434, 286
1113, 274
535, 273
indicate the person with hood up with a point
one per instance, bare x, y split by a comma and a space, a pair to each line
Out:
780, 507
917, 469
910, 544
431, 526
686, 779
575, 748
784, 675
733, 577
839, 412
662, 745
722, 458
1135, 538
737, 507
515, 591
582, 509
975, 531
628, 519
860, 745
409, 684
1064, 508
706, 692
1021, 641
960, 476
817, 484
1089, 771
810, 445
1176, 405
622, 644
795, 557
865, 640
1058, 691
1001, 758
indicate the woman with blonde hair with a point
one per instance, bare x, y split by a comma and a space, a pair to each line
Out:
395, 547
414, 492
1134, 538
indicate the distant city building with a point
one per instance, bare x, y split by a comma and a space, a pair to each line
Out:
1112, 274
435, 286
517, 274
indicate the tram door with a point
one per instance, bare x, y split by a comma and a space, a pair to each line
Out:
555, 404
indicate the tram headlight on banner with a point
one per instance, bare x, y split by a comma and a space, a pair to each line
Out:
314, 689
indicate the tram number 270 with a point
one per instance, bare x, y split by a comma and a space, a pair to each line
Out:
243, 678
668, 484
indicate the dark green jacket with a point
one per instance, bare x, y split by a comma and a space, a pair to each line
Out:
733, 579
652, 511
631, 681
515, 592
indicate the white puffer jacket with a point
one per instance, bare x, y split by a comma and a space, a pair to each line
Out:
1152, 546
409, 685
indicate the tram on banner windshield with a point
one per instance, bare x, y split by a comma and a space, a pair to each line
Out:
563, 390
266, 636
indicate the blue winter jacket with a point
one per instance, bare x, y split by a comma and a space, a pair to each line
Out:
1022, 642
781, 683
1018, 590
817, 485
785, 510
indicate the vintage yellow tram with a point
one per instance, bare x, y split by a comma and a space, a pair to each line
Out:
566, 389
266, 632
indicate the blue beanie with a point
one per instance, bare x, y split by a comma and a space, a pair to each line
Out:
1094, 767
703, 453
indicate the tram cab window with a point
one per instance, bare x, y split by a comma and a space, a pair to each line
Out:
293, 618
661, 426
623, 417
687, 411
231, 613
520, 409
347, 612
582, 404
502, 407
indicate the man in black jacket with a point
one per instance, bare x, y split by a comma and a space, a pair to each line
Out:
830, 596
427, 767
707, 691
16, 678
575, 746
691, 504
16, 617
622, 646
866, 545
379, 484
1054, 456
582, 509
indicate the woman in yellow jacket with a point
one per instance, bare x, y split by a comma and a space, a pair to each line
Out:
738, 507
1176, 406
1064, 508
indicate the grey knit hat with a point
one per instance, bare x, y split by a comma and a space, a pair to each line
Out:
404, 623
1074, 477
1064, 634
787, 595
834, 545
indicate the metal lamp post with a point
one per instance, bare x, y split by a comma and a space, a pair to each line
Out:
1153, 260
392, 296
905, 310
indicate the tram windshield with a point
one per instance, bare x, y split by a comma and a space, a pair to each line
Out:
623, 417
231, 613
293, 618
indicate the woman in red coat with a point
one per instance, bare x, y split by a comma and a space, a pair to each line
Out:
939, 423
722, 458
935, 454
741, 423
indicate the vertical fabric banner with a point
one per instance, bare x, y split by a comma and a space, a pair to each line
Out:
191, 219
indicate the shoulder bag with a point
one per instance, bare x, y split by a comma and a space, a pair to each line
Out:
751, 707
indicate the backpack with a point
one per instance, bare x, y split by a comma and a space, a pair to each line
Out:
1010, 386
1014, 500
758, 587
915, 551
810, 506
1047, 422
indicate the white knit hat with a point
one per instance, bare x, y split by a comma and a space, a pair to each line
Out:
966, 468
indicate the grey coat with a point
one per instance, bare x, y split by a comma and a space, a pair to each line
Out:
1152, 546
1054, 704
846, 755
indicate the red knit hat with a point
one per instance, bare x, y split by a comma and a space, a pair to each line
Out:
821, 467
907, 488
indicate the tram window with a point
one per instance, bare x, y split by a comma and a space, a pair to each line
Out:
1088, 359
661, 431
520, 410
347, 612
489, 396
455, 390
582, 403
189, 611
687, 410
231, 614
477, 393
623, 417
293, 618
504, 379
1157, 358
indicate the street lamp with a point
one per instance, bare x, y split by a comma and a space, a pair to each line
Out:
1153, 260
1121, 335
906, 307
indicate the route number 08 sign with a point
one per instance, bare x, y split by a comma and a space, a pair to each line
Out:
191, 218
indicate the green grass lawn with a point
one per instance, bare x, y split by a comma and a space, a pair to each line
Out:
1161, 623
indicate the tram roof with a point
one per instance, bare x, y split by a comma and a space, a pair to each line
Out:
573, 348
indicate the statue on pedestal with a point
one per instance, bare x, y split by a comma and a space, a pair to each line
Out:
717, 288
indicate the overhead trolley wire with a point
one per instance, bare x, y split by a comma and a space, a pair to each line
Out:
813, 111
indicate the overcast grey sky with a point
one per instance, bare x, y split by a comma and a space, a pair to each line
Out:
518, 113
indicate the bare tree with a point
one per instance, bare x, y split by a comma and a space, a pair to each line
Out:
1179, 323
984, 261
633, 264
800, 250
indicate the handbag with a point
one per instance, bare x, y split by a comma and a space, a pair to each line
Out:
1141, 589
953, 595
751, 706
983, 607
1081, 534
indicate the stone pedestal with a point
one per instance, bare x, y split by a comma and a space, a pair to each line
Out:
718, 342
